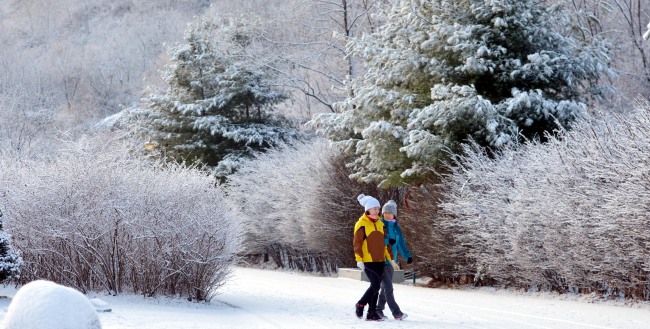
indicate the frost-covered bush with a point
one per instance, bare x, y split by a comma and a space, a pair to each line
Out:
299, 207
26, 125
431, 243
570, 214
96, 218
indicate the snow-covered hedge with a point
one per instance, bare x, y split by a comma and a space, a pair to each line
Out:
570, 214
299, 206
96, 218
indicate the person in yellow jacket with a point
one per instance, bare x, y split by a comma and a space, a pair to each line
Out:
370, 253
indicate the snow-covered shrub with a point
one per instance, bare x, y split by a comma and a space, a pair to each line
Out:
96, 218
299, 206
570, 214
45, 304
431, 243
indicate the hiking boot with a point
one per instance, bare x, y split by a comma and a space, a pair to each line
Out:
401, 316
359, 310
373, 316
381, 314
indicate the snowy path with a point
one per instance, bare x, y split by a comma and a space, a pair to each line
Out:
293, 300
271, 299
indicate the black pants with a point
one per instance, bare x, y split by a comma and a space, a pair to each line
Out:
374, 271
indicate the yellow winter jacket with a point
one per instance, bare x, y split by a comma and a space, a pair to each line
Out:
369, 241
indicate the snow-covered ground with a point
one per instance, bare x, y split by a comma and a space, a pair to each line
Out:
274, 299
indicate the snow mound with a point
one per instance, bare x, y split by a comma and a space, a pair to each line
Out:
46, 305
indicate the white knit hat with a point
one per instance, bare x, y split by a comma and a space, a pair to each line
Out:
390, 207
367, 201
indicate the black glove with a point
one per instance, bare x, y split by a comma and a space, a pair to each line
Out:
409, 261
391, 241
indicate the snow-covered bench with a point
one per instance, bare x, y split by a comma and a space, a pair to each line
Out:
357, 274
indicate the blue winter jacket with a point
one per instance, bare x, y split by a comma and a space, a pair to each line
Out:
394, 231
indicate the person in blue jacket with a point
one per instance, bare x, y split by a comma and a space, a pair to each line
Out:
395, 240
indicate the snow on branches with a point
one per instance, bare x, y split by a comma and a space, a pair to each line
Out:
440, 72
277, 194
569, 215
298, 206
219, 104
96, 218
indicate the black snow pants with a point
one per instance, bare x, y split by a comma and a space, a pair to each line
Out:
374, 271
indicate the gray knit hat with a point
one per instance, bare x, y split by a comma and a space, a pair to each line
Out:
390, 207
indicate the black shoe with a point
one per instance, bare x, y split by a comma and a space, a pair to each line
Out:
381, 314
401, 316
373, 316
359, 310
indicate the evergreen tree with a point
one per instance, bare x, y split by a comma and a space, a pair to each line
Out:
442, 72
10, 259
219, 104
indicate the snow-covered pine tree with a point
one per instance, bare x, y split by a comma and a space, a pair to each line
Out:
219, 104
10, 259
441, 72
